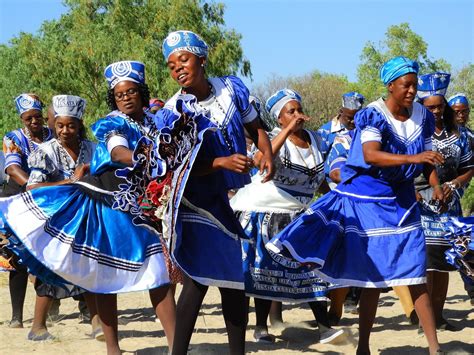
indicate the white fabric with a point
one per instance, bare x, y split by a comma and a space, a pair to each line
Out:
115, 141
264, 197
370, 134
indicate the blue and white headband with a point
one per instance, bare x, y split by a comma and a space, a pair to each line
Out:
458, 98
279, 99
352, 100
127, 70
184, 41
434, 84
69, 105
397, 67
26, 102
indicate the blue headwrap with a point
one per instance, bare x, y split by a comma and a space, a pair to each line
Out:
126, 70
458, 98
184, 41
26, 102
352, 100
397, 67
434, 84
279, 99
69, 105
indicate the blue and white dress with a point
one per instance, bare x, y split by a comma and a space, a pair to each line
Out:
264, 209
207, 242
338, 154
367, 231
17, 147
90, 233
456, 150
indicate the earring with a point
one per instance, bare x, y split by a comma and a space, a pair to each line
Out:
202, 65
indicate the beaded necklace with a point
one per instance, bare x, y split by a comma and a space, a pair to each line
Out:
27, 134
66, 156
312, 171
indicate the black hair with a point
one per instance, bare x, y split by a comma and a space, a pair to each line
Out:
143, 90
449, 117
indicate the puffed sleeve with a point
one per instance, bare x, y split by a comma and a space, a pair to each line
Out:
241, 94
41, 165
111, 131
370, 124
466, 159
428, 128
12, 150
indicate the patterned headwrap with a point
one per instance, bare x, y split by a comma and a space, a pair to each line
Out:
279, 99
434, 84
26, 102
126, 70
184, 41
397, 67
69, 105
458, 98
352, 100
156, 103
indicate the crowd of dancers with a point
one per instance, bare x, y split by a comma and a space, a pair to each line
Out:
200, 190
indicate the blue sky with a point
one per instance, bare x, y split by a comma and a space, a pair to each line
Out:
294, 37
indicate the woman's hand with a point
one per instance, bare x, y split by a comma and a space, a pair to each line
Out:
447, 192
80, 171
297, 124
265, 166
237, 163
438, 193
427, 157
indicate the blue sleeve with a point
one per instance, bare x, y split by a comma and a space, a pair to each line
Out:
466, 159
337, 155
241, 99
323, 134
370, 124
428, 128
109, 126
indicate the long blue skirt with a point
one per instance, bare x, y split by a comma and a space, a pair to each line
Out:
357, 239
66, 237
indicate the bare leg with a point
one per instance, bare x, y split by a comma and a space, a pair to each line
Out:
17, 281
42, 305
367, 310
91, 301
276, 314
337, 298
107, 310
164, 305
423, 308
235, 311
438, 289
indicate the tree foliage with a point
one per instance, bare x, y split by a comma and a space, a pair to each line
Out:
69, 55
399, 40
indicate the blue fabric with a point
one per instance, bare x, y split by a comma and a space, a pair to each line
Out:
461, 240
328, 132
339, 152
397, 67
26, 102
371, 117
276, 102
458, 98
126, 70
184, 41
272, 276
69, 105
434, 84
352, 100
367, 232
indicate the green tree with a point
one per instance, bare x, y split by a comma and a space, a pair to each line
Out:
69, 55
399, 40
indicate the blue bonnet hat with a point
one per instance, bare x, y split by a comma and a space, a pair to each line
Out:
69, 105
352, 100
184, 41
26, 102
458, 98
279, 99
434, 84
127, 70
397, 67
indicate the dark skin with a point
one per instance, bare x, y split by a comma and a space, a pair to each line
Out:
188, 71
67, 131
291, 121
401, 93
132, 105
32, 122
462, 113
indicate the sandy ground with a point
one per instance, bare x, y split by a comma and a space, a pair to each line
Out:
140, 334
